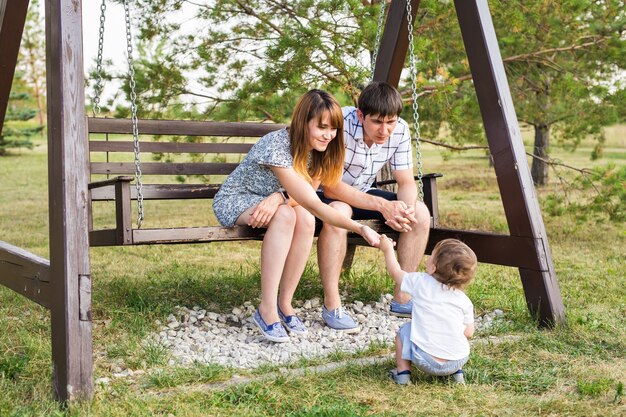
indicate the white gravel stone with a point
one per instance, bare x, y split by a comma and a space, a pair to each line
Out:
197, 335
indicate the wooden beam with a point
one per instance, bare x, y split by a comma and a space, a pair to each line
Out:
394, 42
12, 20
181, 127
25, 273
195, 234
518, 194
162, 192
175, 147
68, 175
491, 248
165, 168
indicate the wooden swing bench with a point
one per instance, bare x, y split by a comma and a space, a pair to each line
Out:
120, 190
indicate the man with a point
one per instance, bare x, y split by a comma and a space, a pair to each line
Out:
374, 134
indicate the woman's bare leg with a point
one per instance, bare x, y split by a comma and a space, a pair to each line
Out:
296, 259
274, 251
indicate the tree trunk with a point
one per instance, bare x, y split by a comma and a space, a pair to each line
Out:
539, 168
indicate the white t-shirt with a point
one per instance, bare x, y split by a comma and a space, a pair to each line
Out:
439, 316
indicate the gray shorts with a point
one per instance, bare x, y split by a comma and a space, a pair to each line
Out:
424, 361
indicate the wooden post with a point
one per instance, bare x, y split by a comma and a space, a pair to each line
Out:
518, 194
503, 134
12, 20
394, 43
72, 357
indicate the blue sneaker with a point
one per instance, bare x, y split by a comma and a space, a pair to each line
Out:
274, 332
293, 324
401, 310
338, 319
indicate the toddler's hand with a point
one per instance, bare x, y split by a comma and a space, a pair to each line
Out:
386, 244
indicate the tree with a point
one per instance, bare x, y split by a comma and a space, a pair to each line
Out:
560, 58
256, 57
16, 134
32, 60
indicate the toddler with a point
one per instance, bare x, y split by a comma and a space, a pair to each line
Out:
442, 317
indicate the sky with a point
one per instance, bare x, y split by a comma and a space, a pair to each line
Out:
114, 31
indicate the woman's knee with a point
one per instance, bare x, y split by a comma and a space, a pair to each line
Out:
305, 221
285, 216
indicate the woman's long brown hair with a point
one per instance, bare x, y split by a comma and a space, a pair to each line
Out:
326, 166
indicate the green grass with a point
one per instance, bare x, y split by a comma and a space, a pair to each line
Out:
574, 369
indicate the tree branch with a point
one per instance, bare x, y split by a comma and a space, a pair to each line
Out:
549, 161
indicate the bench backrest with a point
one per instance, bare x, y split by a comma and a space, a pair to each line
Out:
235, 139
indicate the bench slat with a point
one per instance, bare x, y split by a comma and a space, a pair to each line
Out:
160, 168
181, 127
161, 192
196, 234
169, 147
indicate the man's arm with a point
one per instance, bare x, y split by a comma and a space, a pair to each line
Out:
407, 189
356, 198
398, 214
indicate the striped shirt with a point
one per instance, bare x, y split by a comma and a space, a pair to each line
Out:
361, 163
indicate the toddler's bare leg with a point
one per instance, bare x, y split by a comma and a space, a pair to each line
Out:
401, 364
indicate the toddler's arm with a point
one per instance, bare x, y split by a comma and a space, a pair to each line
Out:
393, 267
469, 330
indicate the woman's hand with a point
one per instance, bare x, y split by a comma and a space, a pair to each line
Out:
264, 211
370, 235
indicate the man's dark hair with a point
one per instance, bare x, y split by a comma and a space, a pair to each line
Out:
380, 98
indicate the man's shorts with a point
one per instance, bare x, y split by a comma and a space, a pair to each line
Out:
360, 214
424, 361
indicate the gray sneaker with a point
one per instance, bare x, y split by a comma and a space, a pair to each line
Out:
338, 319
458, 377
403, 378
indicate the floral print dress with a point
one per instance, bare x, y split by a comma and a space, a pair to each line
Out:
253, 180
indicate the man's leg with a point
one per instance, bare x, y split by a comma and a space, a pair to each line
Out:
411, 245
331, 251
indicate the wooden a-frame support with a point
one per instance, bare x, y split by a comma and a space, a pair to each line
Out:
64, 284
519, 198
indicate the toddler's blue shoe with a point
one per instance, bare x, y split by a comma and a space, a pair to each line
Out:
338, 319
274, 332
402, 378
293, 324
401, 310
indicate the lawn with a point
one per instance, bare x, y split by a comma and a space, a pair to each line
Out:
575, 369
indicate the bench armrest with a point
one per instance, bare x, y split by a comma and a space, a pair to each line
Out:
429, 181
112, 181
122, 196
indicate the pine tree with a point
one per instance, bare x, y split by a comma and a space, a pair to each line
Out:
15, 133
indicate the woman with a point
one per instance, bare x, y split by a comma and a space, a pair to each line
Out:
274, 188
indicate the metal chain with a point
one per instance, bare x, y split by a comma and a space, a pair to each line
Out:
379, 31
133, 110
97, 89
416, 116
